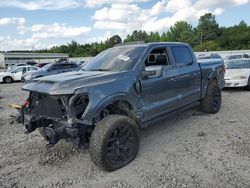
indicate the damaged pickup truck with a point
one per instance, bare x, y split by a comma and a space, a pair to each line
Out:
121, 90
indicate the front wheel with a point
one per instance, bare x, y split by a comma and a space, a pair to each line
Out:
114, 142
212, 101
8, 80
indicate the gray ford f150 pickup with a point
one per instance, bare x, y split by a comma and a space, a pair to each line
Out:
122, 89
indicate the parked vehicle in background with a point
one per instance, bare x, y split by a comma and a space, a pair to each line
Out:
64, 59
238, 56
209, 56
80, 63
15, 74
33, 63
17, 65
40, 65
51, 69
238, 73
122, 89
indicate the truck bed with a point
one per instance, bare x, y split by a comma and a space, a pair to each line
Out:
211, 68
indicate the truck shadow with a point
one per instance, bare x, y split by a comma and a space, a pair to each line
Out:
234, 89
170, 129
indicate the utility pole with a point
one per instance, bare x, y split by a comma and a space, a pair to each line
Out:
201, 39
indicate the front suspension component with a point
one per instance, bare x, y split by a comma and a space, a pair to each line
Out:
53, 135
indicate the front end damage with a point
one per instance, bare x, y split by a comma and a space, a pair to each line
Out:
57, 117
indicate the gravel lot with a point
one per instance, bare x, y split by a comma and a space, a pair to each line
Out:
189, 150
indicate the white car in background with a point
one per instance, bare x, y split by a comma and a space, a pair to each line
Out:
16, 73
238, 73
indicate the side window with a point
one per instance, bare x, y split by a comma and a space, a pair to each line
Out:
19, 70
68, 66
32, 68
156, 57
56, 67
245, 56
182, 55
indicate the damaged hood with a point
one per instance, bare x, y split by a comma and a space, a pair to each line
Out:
68, 83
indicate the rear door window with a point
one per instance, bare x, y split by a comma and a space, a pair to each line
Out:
32, 68
182, 55
57, 67
68, 66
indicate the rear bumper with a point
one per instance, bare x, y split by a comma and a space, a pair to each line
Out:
236, 83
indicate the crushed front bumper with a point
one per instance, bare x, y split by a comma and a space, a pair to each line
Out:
58, 116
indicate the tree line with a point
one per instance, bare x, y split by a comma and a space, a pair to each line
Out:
206, 36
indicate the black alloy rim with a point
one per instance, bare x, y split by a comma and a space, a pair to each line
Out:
121, 145
216, 98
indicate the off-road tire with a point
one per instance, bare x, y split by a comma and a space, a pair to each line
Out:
212, 101
248, 85
7, 80
101, 139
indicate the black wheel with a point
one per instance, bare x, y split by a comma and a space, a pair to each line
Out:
114, 142
212, 101
248, 85
7, 80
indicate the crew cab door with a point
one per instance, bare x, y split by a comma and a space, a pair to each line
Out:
158, 90
188, 79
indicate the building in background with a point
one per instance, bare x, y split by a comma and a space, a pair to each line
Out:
12, 58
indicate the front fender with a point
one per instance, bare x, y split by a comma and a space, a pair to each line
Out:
94, 109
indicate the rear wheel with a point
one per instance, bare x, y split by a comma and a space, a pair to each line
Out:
7, 80
114, 142
248, 85
212, 101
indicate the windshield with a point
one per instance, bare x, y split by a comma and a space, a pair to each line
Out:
115, 59
239, 64
11, 69
234, 57
45, 67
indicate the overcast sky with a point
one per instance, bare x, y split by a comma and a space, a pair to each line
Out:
44, 23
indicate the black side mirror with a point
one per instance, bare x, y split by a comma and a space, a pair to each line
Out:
148, 73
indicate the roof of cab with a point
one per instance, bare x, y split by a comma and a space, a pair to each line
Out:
141, 44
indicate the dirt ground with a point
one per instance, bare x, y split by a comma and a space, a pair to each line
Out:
189, 150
